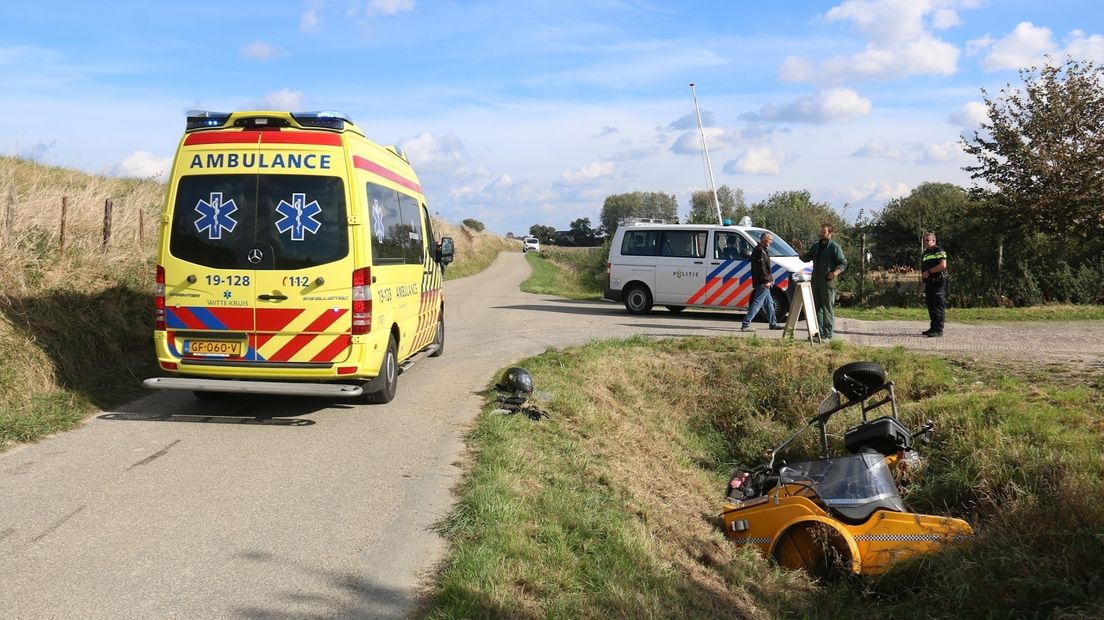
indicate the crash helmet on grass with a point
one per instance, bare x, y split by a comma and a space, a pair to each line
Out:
517, 380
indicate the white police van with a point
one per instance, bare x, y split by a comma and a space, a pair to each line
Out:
696, 266
530, 244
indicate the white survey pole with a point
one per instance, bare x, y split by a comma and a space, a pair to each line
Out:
705, 149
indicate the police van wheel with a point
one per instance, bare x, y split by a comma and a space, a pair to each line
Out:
439, 338
638, 300
781, 305
389, 373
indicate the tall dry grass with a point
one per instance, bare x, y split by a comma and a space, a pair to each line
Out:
72, 317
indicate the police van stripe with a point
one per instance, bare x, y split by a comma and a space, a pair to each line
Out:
735, 276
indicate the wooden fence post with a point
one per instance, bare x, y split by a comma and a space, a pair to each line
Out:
141, 227
107, 223
64, 214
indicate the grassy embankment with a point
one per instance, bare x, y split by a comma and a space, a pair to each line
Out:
608, 508
76, 324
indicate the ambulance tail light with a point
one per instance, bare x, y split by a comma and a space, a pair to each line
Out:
159, 300
362, 301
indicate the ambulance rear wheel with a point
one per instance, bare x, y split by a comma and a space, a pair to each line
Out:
439, 337
388, 376
638, 300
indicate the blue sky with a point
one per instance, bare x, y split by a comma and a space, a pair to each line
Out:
521, 113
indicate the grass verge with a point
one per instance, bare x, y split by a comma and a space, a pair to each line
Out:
1055, 312
608, 509
573, 273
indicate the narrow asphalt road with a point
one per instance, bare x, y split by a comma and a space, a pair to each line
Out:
171, 507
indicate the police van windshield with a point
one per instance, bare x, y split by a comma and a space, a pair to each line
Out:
778, 247
296, 221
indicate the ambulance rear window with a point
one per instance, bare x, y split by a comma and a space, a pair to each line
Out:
294, 221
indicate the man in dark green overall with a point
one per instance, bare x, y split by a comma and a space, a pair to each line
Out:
828, 263
934, 276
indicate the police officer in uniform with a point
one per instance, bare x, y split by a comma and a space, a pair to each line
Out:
934, 276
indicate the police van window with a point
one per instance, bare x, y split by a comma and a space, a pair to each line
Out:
412, 225
639, 243
296, 221
386, 226
730, 246
683, 243
778, 247
302, 219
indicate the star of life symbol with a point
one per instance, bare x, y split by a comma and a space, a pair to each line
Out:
298, 216
215, 216
377, 220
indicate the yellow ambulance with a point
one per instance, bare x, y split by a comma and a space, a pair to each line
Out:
296, 257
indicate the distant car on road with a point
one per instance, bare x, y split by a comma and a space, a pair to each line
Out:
530, 244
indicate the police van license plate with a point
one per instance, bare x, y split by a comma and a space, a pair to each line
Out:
213, 348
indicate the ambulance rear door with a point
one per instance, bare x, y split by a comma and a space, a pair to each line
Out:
301, 254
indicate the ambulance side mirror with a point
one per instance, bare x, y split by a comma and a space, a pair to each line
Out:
445, 251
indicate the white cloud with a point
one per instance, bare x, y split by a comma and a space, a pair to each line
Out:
310, 22
757, 160
980, 44
716, 138
878, 149
1085, 48
145, 165
259, 50
429, 152
946, 18
389, 7
1023, 47
630, 155
605, 131
971, 115
690, 121
284, 99
588, 174
826, 106
900, 42
939, 153
878, 190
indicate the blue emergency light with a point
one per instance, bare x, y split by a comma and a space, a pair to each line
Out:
202, 119
325, 119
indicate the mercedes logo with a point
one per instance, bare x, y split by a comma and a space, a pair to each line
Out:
255, 256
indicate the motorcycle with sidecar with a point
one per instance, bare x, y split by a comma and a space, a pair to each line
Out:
840, 514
